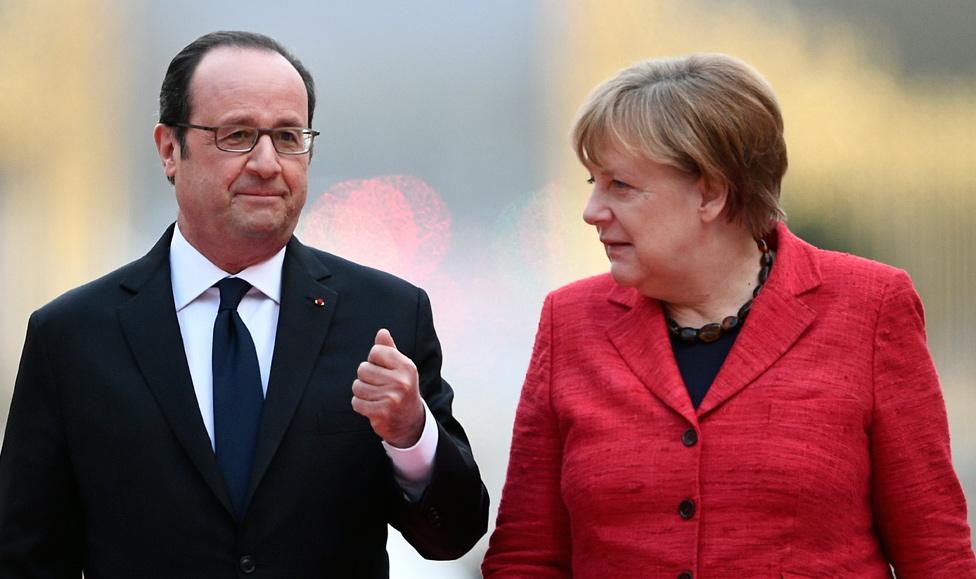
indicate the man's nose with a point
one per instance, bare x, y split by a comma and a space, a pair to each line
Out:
263, 159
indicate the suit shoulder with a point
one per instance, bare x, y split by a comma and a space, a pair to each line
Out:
97, 296
585, 294
362, 277
803, 266
585, 288
856, 272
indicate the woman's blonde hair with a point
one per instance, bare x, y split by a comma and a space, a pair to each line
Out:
707, 114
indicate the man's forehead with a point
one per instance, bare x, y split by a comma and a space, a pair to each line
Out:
236, 61
231, 77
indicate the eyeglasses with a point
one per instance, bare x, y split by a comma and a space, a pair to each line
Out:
242, 139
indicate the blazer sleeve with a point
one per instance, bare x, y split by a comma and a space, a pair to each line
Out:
40, 513
452, 514
920, 509
531, 537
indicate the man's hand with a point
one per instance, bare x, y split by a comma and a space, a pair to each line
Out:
386, 391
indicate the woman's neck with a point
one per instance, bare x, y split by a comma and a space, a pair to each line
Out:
724, 279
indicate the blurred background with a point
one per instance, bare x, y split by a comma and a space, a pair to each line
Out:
444, 157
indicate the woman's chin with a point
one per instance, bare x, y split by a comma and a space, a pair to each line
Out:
624, 275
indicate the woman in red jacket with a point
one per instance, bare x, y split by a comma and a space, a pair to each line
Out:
729, 401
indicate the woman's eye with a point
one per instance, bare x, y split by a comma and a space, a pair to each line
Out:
591, 180
619, 184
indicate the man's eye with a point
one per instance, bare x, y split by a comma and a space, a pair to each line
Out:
288, 136
619, 184
236, 136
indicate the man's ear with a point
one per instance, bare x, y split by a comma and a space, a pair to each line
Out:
167, 147
714, 196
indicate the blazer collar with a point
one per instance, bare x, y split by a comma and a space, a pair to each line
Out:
797, 267
146, 268
151, 328
640, 337
778, 318
307, 309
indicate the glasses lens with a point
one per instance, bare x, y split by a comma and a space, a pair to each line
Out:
291, 140
236, 138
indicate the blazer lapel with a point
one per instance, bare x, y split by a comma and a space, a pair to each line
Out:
640, 337
153, 332
302, 327
778, 318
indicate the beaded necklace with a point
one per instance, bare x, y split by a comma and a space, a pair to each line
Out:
711, 332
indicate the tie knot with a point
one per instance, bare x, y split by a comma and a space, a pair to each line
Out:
232, 290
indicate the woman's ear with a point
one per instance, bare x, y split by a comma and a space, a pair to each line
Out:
714, 196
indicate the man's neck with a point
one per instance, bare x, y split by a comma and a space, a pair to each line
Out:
234, 257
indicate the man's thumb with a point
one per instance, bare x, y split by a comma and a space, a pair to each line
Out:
383, 338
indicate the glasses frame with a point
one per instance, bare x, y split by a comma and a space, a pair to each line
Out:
270, 132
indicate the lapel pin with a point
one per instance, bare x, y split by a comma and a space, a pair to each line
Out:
319, 302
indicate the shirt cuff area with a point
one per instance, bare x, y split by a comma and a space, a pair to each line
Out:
413, 466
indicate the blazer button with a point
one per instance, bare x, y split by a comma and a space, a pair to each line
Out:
690, 437
435, 517
686, 509
685, 575
247, 564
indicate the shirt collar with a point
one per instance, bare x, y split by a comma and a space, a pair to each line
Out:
192, 273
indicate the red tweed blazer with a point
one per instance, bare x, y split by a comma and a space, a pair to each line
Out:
821, 449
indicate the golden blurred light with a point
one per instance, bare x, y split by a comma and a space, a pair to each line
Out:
60, 179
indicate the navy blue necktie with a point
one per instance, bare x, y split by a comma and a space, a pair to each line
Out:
237, 393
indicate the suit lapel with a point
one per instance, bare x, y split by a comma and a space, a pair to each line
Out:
302, 327
640, 337
774, 324
153, 333
778, 318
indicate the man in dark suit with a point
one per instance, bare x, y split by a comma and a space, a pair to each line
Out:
234, 402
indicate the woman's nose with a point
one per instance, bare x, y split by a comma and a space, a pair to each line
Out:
596, 211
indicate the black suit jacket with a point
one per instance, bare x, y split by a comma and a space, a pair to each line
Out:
107, 467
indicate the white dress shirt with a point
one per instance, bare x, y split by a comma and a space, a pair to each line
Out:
197, 301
